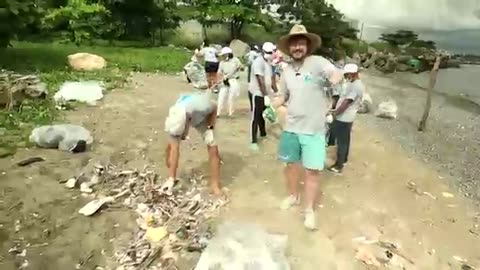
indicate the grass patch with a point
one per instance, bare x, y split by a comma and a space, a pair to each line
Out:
49, 61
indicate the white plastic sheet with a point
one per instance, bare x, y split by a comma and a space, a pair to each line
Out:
85, 91
64, 137
387, 109
244, 247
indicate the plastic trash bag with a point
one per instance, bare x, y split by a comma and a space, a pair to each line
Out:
366, 104
270, 114
87, 91
387, 109
64, 137
244, 247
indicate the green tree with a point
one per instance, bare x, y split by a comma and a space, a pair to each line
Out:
14, 16
235, 13
429, 44
399, 38
144, 20
319, 17
83, 20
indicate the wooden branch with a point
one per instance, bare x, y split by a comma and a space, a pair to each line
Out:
422, 126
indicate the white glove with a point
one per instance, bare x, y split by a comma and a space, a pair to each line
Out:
329, 119
167, 187
267, 101
208, 137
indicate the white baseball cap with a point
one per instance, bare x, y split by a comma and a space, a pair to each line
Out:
350, 68
226, 50
268, 47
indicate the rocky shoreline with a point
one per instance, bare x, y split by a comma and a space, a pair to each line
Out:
451, 144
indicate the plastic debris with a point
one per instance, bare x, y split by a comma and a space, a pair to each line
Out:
87, 91
387, 109
156, 234
236, 245
65, 137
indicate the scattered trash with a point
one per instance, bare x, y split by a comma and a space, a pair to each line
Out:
459, 259
18, 226
71, 183
467, 267
366, 256
29, 161
413, 187
65, 137
169, 222
156, 234
93, 206
14, 88
387, 109
236, 245
447, 195
87, 91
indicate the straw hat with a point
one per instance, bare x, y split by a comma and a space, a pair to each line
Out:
299, 30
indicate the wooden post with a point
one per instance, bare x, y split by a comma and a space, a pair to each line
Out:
422, 126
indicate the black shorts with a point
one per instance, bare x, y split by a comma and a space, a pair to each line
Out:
211, 67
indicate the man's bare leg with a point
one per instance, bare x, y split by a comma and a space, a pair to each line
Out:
214, 159
292, 175
173, 159
312, 178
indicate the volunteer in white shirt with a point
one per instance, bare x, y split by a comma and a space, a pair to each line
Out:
211, 64
258, 91
229, 72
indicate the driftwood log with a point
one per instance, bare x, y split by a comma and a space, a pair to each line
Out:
16, 87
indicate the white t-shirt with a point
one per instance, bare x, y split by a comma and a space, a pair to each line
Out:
304, 90
210, 54
251, 56
230, 68
262, 68
354, 91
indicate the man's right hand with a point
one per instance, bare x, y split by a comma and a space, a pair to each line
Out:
267, 101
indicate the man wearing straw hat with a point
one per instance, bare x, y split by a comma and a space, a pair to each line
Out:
302, 143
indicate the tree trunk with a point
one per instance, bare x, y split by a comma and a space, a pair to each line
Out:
236, 29
204, 32
422, 126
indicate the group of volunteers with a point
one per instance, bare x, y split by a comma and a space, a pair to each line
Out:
288, 77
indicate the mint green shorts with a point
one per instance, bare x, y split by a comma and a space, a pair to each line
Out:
310, 150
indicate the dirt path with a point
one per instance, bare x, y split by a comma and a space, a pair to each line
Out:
370, 200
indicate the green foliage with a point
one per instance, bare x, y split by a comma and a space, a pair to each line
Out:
321, 18
383, 46
399, 38
14, 16
237, 14
49, 62
353, 46
145, 20
428, 44
83, 20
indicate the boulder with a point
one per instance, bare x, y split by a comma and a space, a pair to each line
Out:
86, 61
239, 48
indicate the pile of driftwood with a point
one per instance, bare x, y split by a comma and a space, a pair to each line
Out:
170, 219
16, 87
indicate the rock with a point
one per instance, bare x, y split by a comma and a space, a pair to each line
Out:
366, 105
239, 48
402, 67
371, 50
387, 109
86, 61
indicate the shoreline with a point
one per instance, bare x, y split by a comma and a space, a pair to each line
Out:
451, 143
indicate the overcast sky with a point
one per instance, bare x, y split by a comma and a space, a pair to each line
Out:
426, 14
453, 24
